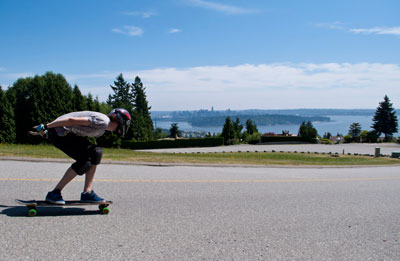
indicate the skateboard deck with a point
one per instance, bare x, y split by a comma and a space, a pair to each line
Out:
33, 204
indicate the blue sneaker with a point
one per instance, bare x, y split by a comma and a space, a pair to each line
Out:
55, 197
91, 197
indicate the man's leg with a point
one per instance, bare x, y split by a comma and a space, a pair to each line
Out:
88, 194
69, 175
89, 177
55, 195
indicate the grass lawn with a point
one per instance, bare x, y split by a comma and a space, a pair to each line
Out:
246, 158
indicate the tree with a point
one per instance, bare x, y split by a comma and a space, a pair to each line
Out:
369, 136
355, 131
228, 132
251, 127
78, 100
385, 119
39, 99
237, 127
327, 135
132, 97
122, 96
307, 131
143, 128
174, 131
7, 126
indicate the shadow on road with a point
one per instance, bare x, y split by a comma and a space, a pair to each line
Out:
21, 211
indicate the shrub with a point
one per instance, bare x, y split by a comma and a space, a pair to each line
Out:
348, 138
252, 138
286, 139
326, 141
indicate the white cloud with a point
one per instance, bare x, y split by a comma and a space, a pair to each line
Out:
374, 30
174, 31
329, 85
227, 9
262, 86
377, 30
129, 30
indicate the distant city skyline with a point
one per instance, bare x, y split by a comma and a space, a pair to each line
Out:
198, 54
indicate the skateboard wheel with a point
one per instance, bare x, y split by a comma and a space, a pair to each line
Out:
105, 211
32, 212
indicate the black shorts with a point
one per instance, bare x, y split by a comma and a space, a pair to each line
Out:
79, 148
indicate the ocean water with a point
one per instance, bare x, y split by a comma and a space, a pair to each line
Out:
338, 124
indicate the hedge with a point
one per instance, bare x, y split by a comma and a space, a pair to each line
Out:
177, 143
285, 139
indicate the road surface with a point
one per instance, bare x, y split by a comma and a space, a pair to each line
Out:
205, 213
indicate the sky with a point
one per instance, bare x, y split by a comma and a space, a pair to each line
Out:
199, 54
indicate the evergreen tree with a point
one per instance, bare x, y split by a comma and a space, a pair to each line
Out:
39, 99
90, 102
355, 131
307, 131
97, 104
142, 124
78, 100
237, 127
251, 127
7, 126
385, 119
132, 97
122, 96
228, 132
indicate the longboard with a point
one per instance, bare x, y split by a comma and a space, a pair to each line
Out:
33, 204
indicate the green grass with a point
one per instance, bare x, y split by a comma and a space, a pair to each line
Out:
249, 158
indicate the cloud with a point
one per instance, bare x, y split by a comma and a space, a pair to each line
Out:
255, 86
374, 30
227, 9
129, 30
329, 85
174, 31
377, 30
143, 14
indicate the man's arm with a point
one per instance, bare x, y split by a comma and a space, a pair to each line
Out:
71, 121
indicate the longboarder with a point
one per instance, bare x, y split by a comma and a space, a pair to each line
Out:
68, 133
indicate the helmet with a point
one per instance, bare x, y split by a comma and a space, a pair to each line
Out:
123, 119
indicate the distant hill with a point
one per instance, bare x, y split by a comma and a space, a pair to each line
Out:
233, 113
205, 118
267, 119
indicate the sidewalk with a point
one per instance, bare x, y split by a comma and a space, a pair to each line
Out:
362, 148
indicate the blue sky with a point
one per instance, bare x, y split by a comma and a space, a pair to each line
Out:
195, 54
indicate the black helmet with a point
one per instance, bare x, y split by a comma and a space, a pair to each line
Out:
123, 119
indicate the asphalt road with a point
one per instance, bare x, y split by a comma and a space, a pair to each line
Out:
205, 213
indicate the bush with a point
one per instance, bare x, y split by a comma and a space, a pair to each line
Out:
251, 138
286, 139
326, 141
348, 138
371, 136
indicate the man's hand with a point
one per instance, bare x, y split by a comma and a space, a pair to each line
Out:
39, 130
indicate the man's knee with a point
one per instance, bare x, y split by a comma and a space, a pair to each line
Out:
96, 156
81, 167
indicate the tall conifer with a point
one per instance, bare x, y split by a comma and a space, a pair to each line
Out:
7, 126
385, 119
